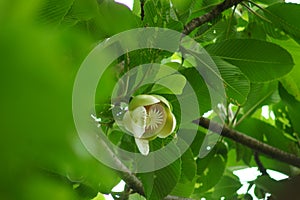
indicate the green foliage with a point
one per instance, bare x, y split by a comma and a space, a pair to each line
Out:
255, 50
160, 183
274, 63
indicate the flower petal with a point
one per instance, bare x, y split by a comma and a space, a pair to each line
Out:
135, 121
142, 100
162, 99
169, 126
143, 146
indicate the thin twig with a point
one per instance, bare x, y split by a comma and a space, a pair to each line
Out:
233, 121
259, 164
142, 3
230, 21
255, 13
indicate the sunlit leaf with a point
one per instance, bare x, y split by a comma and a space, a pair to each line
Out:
268, 63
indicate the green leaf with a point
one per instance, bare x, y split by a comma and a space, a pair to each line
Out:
99, 197
260, 61
233, 162
211, 176
186, 183
243, 153
268, 184
198, 140
270, 163
82, 10
247, 197
254, 31
136, 196
210, 169
285, 16
293, 108
268, 2
47, 138
200, 89
114, 18
84, 191
181, 6
160, 183
282, 119
52, 12
158, 13
136, 8
260, 94
226, 187
167, 80
265, 132
220, 29
291, 82
236, 84
251, 127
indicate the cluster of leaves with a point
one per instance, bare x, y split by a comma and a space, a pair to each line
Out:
255, 46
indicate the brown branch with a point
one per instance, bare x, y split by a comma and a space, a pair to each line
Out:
132, 182
217, 10
169, 197
259, 164
125, 174
250, 142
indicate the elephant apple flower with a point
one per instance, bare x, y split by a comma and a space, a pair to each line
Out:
148, 117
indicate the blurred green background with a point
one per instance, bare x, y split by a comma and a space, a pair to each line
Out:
41, 154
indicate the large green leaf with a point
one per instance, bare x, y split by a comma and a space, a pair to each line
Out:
251, 127
210, 169
285, 16
226, 187
200, 89
268, 2
265, 132
186, 183
293, 108
160, 183
269, 185
81, 10
167, 80
291, 82
254, 30
260, 61
114, 18
260, 94
236, 84
53, 11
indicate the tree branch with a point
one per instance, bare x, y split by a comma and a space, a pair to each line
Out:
169, 197
198, 21
249, 142
259, 164
130, 179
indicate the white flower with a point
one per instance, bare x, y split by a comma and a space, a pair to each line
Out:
148, 117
